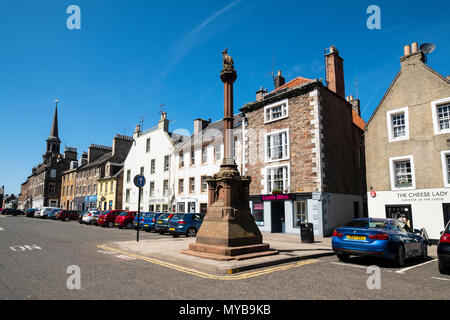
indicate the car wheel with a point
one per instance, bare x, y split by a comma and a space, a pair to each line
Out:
147, 230
442, 268
110, 225
129, 225
161, 232
66, 219
191, 232
344, 257
400, 259
424, 251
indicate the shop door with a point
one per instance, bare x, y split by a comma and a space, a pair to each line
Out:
277, 217
203, 208
400, 212
446, 207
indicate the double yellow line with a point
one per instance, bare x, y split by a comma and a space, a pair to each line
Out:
211, 276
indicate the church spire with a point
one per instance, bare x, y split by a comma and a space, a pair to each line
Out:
54, 131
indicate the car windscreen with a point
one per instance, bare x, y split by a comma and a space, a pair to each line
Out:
369, 224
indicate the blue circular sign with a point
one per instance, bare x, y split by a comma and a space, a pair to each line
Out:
139, 181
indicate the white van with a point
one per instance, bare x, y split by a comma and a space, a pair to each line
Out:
43, 213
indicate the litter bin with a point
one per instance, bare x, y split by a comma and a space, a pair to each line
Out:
307, 232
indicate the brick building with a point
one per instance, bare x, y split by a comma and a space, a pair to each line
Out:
408, 147
304, 151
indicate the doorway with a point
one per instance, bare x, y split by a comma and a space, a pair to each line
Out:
446, 207
278, 218
400, 212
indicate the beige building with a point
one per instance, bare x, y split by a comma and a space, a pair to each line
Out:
408, 147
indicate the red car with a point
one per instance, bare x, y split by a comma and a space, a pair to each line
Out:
66, 215
125, 219
107, 219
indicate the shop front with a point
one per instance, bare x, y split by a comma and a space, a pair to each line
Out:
78, 203
90, 203
283, 213
425, 208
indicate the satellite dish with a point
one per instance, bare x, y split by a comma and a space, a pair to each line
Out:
427, 48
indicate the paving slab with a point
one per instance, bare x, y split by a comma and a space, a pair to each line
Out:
169, 249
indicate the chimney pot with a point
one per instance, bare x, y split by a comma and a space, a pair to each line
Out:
414, 47
279, 80
407, 49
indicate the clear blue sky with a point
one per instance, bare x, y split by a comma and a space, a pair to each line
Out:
131, 56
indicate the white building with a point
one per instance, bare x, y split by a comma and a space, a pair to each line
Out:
197, 158
150, 155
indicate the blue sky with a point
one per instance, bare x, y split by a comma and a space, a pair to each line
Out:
132, 56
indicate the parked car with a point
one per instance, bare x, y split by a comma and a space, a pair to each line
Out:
162, 222
125, 219
88, 217
12, 212
80, 217
43, 213
443, 251
142, 216
186, 224
52, 214
66, 215
107, 218
385, 238
30, 213
149, 221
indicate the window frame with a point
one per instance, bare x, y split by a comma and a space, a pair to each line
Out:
275, 105
445, 168
389, 115
434, 105
392, 174
288, 151
268, 189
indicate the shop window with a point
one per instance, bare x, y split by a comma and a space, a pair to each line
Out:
181, 207
258, 213
158, 208
300, 213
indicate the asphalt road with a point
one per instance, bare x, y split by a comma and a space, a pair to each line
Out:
35, 255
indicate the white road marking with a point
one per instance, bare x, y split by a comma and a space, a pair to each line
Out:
355, 266
402, 271
441, 279
1, 229
25, 248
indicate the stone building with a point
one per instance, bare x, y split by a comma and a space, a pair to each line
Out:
80, 182
304, 151
43, 186
408, 147
197, 158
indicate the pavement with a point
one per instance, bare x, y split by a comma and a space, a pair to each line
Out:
168, 250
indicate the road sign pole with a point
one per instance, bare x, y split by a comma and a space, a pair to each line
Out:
139, 213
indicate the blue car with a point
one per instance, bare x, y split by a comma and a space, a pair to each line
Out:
185, 223
385, 238
141, 218
52, 214
148, 223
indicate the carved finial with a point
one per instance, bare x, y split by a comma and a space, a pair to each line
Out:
227, 60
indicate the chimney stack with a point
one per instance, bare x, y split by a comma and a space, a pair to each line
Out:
164, 122
199, 125
279, 80
355, 105
335, 72
260, 94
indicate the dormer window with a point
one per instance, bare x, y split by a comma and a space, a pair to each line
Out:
276, 111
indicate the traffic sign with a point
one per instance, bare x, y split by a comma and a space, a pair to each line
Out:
139, 181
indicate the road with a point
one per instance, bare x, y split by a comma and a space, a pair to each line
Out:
35, 255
